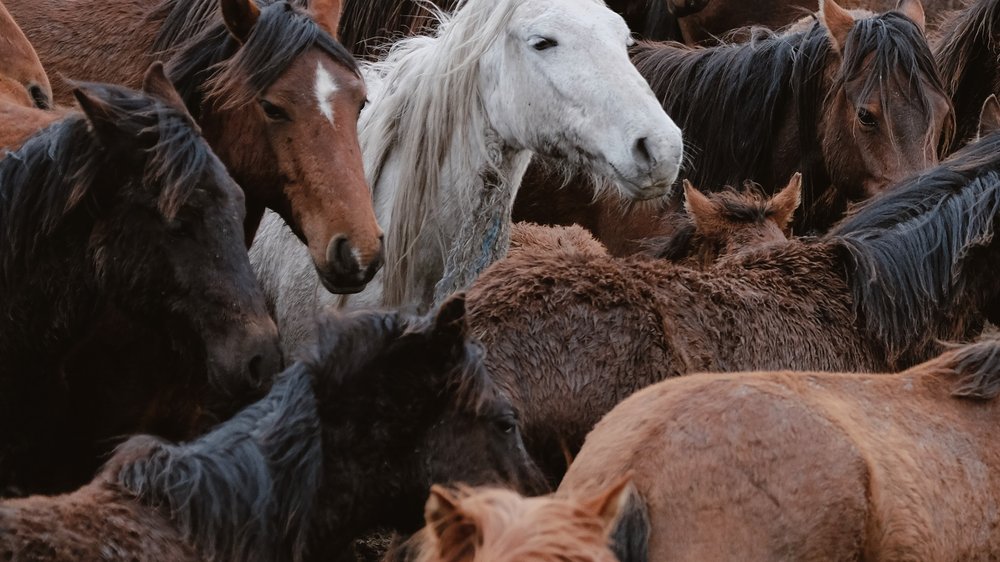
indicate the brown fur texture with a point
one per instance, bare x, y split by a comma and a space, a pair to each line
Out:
812, 466
23, 80
529, 238
496, 525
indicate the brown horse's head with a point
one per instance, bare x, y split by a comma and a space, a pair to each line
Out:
469, 525
22, 78
887, 110
281, 108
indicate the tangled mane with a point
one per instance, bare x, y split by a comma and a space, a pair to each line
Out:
770, 73
244, 491
64, 171
909, 246
207, 64
978, 368
967, 59
510, 527
427, 105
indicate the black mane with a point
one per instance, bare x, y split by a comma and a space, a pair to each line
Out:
747, 84
967, 60
63, 171
206, 63
909, 246
249, 490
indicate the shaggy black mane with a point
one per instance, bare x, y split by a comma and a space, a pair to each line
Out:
206, 63
747, 84
908, 246
63, 170
248, 489
967, 59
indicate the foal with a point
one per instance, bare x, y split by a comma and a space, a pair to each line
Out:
349, 439
812, 466
495, 525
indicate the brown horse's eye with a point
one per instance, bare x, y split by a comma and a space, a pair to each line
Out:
38, 97
274, 112
866, 118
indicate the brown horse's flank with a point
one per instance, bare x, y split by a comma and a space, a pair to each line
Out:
904, 464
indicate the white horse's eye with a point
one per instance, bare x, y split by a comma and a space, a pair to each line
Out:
542, 43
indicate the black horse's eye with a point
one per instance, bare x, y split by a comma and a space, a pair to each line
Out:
866, 118
273, 111
506, 424
543, 43
38, 97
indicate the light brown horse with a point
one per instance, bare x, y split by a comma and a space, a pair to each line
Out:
276, 96
727, 223
497, 525
812, 466
22, 78
571, 335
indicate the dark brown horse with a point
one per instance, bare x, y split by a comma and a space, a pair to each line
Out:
350, 438
967, 51
122, 213
495, 525
572, 335
275, 94
854, 104
811, 466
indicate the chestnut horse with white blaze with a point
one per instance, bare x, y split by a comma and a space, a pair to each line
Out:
275, 94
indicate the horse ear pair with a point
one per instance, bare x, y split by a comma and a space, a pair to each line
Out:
241, 16
839, 21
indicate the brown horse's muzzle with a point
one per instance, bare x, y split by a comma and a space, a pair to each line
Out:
347, 269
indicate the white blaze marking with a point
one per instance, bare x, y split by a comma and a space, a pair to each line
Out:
325, 88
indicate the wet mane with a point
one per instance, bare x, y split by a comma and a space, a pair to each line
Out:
62, 171
967, 58
910, 244
206, 63
772, 72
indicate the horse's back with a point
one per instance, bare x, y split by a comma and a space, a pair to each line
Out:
96, 522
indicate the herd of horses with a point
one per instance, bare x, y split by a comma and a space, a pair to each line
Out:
499, 280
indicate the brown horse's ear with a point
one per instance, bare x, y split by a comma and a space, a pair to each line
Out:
914, 10
786, 201
240, 17
452, 528
700, 208
989, 117
450, 319
608, 505
156, 83
326, 14
101, 115
838, 22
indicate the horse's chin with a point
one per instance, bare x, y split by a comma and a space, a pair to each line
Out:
340, 289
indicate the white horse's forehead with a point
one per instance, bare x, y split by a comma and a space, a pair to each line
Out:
569, 15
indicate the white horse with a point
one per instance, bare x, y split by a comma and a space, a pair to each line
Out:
453, 121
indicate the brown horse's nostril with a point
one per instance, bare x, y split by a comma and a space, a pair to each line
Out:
340, 256
641, 153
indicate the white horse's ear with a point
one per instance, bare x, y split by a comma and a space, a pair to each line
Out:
989, 117
837, 21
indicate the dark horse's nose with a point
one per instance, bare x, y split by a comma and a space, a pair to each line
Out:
349, 268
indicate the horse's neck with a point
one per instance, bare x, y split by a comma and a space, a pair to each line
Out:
470, 225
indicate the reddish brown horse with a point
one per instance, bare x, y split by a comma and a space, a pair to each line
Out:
854, 104
349, 439
812, 466
22, 79
276, 96
571, 335
494, 525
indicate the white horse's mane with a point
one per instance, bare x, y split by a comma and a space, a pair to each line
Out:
429, 108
